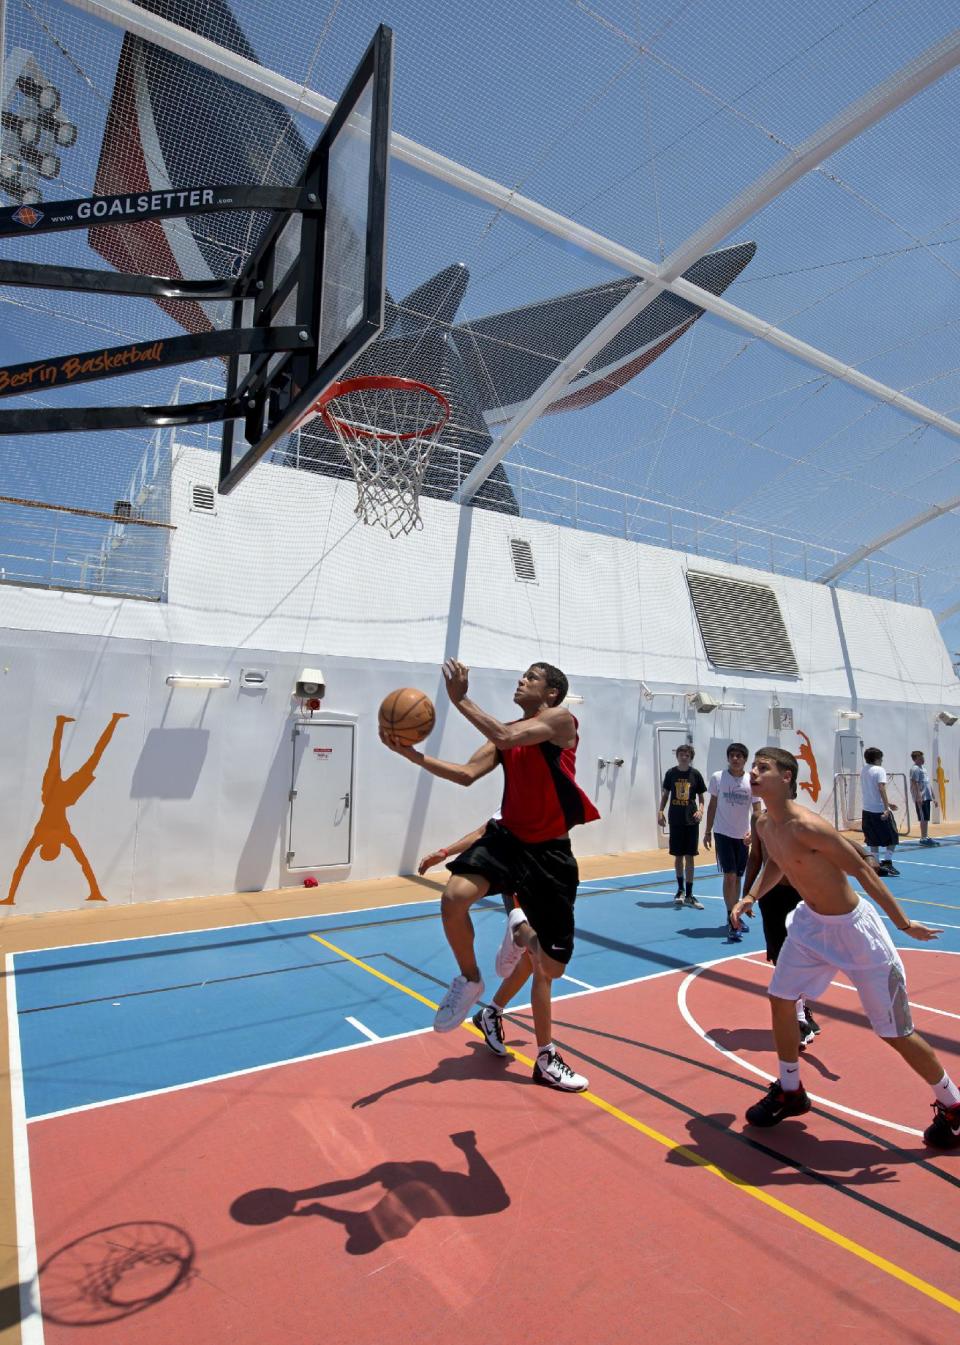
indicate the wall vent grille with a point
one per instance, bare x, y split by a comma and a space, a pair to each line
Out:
203, 499
522, 555
741, 624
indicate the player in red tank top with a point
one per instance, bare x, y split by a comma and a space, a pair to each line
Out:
527, 851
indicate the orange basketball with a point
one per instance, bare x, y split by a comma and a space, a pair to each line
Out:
408, 714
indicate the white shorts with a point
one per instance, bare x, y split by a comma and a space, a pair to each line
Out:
817, 946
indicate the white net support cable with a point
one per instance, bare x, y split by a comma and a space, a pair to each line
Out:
506, 249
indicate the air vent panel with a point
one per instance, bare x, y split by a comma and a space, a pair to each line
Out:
203, 498
521, 553
741, 625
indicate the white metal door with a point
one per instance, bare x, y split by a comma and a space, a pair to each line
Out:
321, 796
668, 740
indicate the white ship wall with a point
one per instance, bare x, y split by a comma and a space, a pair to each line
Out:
192, 794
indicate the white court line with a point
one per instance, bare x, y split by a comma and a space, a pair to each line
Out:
270, 921
31, 1324
923, 864
362, 1028
337, 1050
934, 924
927, 1008
288, 919
354, 1046
218, 1078
763, 1074
573, 981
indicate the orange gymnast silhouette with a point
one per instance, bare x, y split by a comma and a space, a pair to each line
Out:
52, 831
812, 786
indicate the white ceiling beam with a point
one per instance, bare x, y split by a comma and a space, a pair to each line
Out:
936, 61
862, 552
813, 355
866, 111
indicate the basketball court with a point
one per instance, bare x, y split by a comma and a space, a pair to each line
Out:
244, 1130
239, 301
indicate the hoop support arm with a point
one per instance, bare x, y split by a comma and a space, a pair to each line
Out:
88, 280
90, 365
81, 419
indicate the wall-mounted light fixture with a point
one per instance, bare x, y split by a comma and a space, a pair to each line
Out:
197, 680
573, 699
945, 717
731, 705
701, 702
849, 714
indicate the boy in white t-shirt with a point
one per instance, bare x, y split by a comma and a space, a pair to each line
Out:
877, 820
728, 817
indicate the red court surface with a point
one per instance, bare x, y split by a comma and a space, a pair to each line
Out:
384, 1220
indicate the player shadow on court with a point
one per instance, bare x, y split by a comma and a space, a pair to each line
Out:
704, 932
667, 905
760, 1039
481, 1063
809, 1160
412, 1191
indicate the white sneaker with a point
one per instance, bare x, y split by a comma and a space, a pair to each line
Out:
552, 1070
453, 1008
489, 1021
509, 953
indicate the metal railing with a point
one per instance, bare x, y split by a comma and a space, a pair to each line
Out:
46, 545
547, 497
100, 555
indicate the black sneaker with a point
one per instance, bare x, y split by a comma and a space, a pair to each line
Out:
776, 1105
944, 1132
692, 901
812, 1023
807, 1033
888, 871
489, 1021
553, 1071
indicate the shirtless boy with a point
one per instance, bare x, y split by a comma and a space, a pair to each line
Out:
834, 929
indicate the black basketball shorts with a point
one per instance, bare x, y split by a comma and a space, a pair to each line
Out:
543, 875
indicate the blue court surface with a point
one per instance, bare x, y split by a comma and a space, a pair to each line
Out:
115, 1020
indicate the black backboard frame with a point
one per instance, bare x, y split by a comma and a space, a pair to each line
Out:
277, 400
287, 370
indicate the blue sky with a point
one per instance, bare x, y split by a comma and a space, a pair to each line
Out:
639, 121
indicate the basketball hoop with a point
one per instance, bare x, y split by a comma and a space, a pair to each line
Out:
387, 428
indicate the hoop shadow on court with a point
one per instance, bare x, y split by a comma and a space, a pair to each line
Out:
412, 1191
115, 1272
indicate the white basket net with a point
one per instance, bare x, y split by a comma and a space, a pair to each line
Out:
387, 429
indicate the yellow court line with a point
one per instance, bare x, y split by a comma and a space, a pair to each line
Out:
788, 1211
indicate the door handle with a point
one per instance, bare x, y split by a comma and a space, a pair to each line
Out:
346, 799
